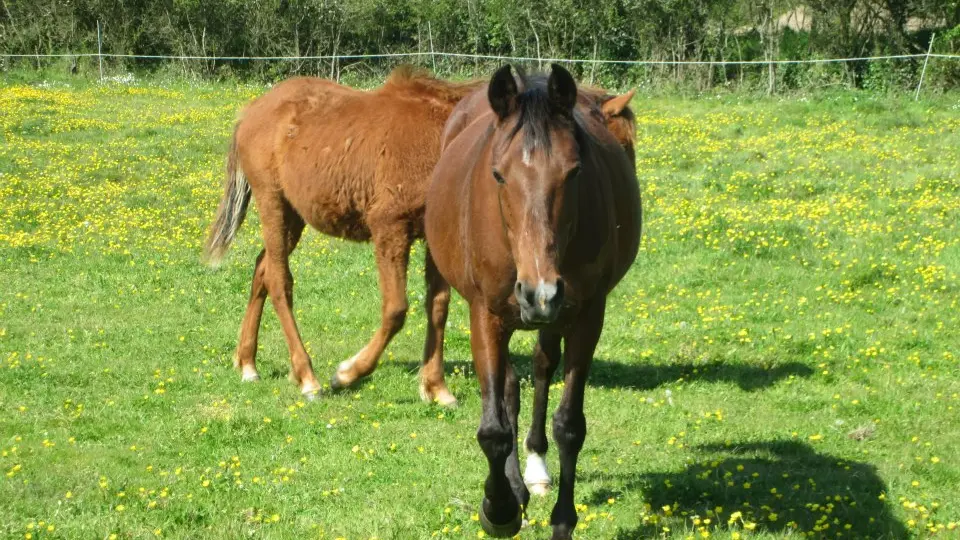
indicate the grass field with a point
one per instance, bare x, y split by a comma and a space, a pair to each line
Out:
782, 360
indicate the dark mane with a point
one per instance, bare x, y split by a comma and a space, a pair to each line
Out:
537, 114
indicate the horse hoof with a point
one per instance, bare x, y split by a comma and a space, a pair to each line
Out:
442, 397
447, 401
335, 384
536, 476
540, 489
503, 530
561, 532
248, 373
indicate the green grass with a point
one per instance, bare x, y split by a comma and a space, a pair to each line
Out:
797, 282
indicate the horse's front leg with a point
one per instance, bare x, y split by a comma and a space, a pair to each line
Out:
546, 358
500, 512
569, 423
391, 245
433, 386
511, 403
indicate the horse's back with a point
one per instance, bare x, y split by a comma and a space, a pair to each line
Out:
343, 158
270, 120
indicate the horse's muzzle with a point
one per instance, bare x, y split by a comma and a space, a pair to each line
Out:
540, 303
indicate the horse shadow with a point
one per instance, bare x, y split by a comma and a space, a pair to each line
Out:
645, 376
778, 486
649, 375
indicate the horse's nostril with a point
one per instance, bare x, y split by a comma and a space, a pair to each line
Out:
524, 294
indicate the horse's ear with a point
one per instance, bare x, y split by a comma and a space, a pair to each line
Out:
502, 92
615, 105
561, 88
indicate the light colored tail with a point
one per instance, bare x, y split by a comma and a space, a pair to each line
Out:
232, 209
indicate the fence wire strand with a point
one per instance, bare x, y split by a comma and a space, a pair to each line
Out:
483, 57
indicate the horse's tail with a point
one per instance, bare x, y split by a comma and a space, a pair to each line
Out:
232, 209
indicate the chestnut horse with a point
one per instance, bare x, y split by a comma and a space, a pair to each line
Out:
352, 164
533, 216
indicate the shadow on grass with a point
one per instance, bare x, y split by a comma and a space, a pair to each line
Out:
649, 376
780, 486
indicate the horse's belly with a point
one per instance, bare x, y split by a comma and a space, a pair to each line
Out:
348, 224
335, 212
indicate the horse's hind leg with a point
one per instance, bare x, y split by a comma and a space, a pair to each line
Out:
392, 248
433, 387
245, 357
282, 228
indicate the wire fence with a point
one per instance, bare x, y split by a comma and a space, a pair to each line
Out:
434, 55
469, 56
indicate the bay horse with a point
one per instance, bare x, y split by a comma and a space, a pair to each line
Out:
533, 215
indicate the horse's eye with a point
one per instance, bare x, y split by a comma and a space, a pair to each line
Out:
573, 173
498, 177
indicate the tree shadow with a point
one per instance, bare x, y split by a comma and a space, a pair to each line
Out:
778, 486
646, 375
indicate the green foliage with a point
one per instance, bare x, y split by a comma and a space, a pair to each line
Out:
612, 30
